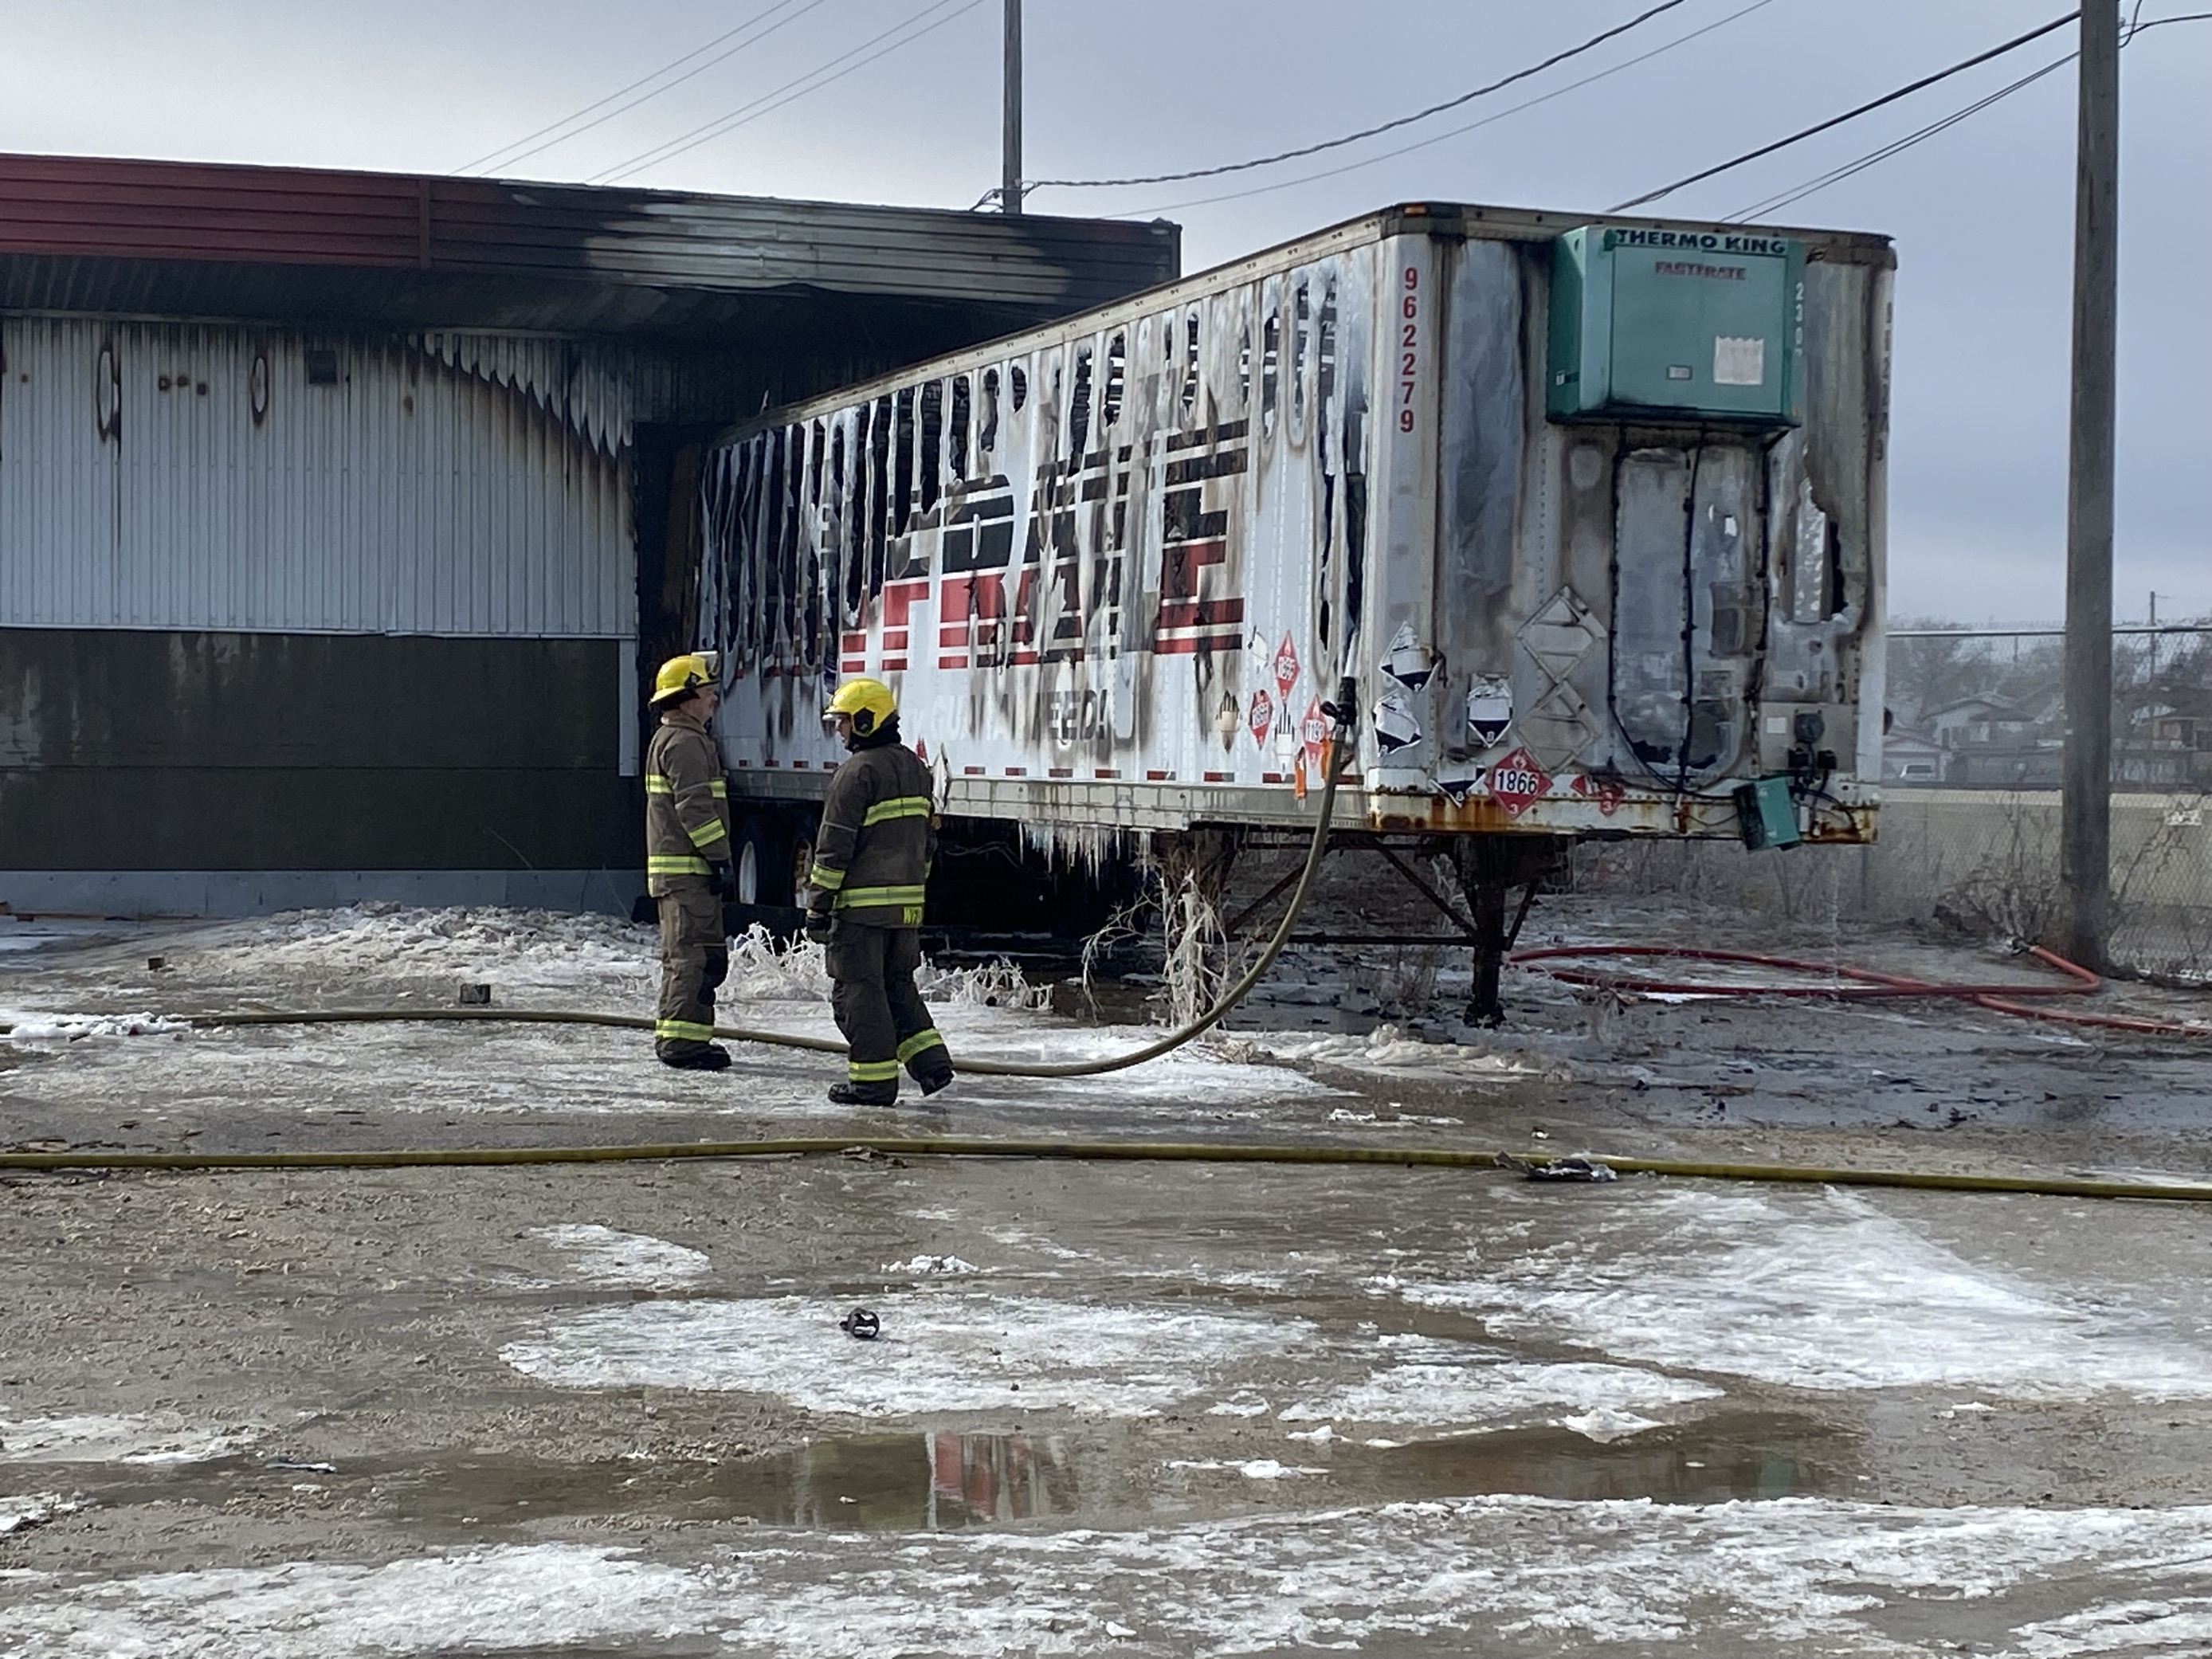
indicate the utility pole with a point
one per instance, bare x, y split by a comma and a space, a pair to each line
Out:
1010, 185
2086, 833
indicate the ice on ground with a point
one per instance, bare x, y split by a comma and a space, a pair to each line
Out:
1453, 1576
924, 1265
1390, 1117
31, 1509
513, 949
1388, 1048
1436, 1386
607, 1257
940, 1351
943, 1351
586, 958
531, 1599
163, 1439
1200, 1075
27, 1029
1255, 1468
1812, 1290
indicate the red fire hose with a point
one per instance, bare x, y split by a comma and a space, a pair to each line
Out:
1845, 983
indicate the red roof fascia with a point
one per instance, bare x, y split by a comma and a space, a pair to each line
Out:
102, 207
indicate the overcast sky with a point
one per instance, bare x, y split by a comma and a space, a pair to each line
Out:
1982, 214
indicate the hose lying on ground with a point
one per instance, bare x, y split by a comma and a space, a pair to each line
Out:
1863, 983
1099, 1151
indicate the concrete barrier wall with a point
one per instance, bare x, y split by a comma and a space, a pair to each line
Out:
1985, 861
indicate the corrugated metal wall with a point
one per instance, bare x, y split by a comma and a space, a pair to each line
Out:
185, 476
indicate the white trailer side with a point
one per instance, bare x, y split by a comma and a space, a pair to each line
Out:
1113, 566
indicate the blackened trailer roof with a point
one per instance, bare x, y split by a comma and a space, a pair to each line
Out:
87, 233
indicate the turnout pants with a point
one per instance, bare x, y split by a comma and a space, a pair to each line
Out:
695, 957
872, 994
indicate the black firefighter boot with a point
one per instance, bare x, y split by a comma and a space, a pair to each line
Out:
864, 1094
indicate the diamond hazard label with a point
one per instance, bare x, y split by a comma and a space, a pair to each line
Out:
1606, 792
1286, 666
1518, 782
1260, 716
1313, 732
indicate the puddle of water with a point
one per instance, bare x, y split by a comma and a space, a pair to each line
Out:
1734, 1457
938, 1482
945, 1482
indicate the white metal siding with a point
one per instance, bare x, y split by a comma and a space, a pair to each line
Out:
186, 475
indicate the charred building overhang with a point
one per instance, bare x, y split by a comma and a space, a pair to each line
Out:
329, 249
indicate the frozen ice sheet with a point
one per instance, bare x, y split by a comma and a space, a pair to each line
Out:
165, 1439
606, 1256
940, 1351
1444, 1578
1817, 1290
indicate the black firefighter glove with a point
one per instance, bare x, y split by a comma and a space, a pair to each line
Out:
722, 880
819, 921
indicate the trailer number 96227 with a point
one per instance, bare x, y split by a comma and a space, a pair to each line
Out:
1409, 340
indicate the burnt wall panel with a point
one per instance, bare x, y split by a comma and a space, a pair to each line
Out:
143, 751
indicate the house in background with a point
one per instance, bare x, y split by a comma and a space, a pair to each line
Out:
1910, 757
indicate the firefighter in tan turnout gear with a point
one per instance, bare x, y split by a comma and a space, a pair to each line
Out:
688, 852
863, 900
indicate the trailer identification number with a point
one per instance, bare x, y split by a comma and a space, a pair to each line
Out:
1409, 340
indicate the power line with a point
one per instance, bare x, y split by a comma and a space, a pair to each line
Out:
1558, 57
527, 138
1458, 131
1798, 192
812, 80
1925, 80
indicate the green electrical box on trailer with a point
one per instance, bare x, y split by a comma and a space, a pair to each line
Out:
1671, 324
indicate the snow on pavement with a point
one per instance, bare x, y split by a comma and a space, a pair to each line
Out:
606, 1256
1816, 1290
1440, 1577
940, 1351
165, 1439
945, 1351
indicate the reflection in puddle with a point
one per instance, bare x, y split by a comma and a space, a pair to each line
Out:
1740, 1458
927, 1482
873, 1482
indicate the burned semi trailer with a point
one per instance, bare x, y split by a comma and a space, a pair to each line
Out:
1589, 513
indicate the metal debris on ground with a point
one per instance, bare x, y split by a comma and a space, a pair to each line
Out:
861, 1325
1559, 1169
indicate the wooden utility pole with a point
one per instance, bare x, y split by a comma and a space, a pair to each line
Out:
2086, 832
1010, 185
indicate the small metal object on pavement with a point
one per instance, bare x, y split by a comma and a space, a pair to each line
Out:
861, 1325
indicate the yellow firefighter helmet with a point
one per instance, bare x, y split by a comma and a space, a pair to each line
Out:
679, 677
868, 702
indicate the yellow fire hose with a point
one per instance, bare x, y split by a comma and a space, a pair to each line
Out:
1097, 1152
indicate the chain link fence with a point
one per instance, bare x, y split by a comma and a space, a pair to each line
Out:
1979, 863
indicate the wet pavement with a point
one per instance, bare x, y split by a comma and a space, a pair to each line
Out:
1171, 1409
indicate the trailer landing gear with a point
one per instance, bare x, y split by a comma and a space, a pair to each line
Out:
1490, 867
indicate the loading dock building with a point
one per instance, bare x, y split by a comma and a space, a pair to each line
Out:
341, 514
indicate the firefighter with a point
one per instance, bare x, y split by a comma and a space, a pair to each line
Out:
688, 852
863, 900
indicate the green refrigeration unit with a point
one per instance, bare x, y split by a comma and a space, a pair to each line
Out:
1671, 326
